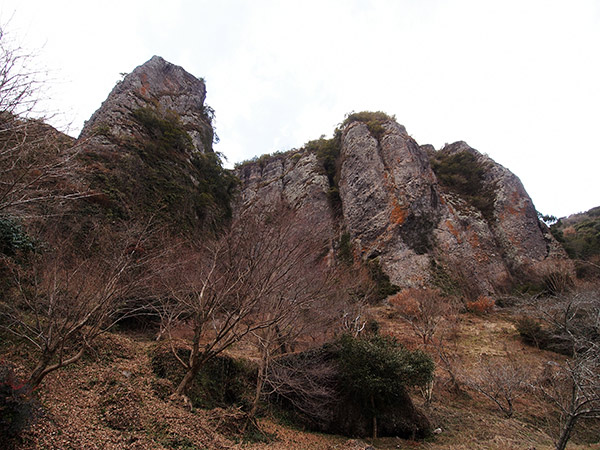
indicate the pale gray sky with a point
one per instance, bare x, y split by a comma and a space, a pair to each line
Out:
518, 80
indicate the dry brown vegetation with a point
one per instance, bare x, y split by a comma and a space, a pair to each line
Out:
112, 399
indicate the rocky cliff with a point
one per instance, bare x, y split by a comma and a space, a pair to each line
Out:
159, 85
148, 150
452, 218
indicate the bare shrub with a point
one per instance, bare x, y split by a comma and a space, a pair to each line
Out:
573, 389
424, 310
61, 301
501, 380
483, 305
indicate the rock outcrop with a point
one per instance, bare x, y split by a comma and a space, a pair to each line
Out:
148, 151
159, 85
443, 218
296, 179
424, 230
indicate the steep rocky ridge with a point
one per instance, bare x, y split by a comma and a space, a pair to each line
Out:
148, 150
398, 212
449, 218
160, 85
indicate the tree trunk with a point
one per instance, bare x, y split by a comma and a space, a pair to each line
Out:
260, 382
374, 419
187, 380
193, 365
39, 372
565, 432
44, 367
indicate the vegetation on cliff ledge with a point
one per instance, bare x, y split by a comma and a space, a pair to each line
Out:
462, 173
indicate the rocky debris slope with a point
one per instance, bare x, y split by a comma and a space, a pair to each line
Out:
454, 219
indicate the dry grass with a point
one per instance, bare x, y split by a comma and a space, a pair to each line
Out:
112, 400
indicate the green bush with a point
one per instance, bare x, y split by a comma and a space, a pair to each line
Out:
166, 132
583, 239
373, 120
345, 249
12, 237
163, 176
383, 286
222, 382
375, 370
328, 154
463, 174
342, 386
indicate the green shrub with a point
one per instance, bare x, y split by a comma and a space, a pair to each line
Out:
379, 367
441, 279
373, 120
383, 286
345, 249
12, 237
222, 382
583, 238
163, 176
340, 387
463, 174
166, 132
376, 371
328, 154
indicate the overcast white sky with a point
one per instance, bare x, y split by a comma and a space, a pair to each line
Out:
518, 80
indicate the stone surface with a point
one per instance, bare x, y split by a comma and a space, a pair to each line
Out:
395, 210
295, 178
159, 85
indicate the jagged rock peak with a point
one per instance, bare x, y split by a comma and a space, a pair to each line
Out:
162, 86
447, 218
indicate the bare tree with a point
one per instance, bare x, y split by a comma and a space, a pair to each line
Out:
573, 319
20, 81
424, 310
501, 380
34, 157
221, 289
305, 282
306, 381
61, 303
573, 386
430, 316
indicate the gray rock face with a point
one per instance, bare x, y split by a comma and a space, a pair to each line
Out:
393, 206
390, 203
395, 209
161, 86
296, 179
148, 150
